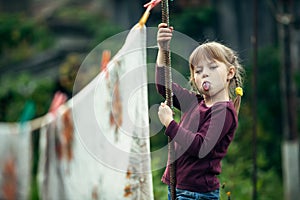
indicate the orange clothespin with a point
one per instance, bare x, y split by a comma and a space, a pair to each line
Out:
146, 14
58, 99
104, 62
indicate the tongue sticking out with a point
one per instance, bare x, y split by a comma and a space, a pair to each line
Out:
206, 86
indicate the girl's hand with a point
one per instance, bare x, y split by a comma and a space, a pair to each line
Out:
165, 114
164, 35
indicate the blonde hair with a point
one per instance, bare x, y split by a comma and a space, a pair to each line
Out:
221, 53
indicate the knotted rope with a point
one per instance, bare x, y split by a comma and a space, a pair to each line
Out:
169, 99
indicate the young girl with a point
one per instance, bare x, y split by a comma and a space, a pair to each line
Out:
209, 117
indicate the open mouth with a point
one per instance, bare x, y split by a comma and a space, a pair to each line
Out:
206, 85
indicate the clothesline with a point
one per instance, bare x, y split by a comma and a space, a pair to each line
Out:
33, 124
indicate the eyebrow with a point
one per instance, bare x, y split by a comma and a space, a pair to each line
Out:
210, 63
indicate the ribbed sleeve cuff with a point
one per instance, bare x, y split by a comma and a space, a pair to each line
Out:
172, 129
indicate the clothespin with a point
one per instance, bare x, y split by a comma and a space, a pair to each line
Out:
104, 62
58, 99
146, 14
27, 114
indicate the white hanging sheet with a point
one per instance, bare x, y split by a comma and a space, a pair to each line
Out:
97, 145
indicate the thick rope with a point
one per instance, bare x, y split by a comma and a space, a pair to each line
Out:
169, 99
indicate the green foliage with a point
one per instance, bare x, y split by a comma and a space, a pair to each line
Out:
297, 82
14, 29
34, 191
97, 24
237, 175
21, 37
201, 18
237, 165
106, 30
268, 106
160, 189
16, 91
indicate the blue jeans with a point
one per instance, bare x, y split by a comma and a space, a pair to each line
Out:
188, 195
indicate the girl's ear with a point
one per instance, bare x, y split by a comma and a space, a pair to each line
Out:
231, 72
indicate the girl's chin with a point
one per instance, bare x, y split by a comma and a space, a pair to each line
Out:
209, 93
206, 92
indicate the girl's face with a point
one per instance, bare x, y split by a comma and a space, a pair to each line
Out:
212, 78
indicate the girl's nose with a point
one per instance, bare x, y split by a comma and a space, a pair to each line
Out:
204, 74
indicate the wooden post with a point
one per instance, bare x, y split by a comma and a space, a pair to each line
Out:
254, 100
290, 145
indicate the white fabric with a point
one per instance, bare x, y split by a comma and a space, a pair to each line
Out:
15, 161
110, 148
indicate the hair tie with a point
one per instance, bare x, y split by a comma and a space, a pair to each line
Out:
239, 91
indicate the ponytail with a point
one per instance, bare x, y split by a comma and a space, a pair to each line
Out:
238, 98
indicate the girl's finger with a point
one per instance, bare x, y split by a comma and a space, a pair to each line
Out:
165, 31
165, 34
162, 25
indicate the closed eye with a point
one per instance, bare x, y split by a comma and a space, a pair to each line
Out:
213, 66
199, 70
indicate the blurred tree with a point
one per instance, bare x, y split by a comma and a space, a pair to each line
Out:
15, 91
67, 73
125, 13
290, 145
21, 37
203, 20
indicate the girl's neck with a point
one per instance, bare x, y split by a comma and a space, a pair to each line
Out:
211, 100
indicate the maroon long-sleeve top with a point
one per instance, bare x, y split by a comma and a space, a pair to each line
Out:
201, 138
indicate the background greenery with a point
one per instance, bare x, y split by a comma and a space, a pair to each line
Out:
22, 37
